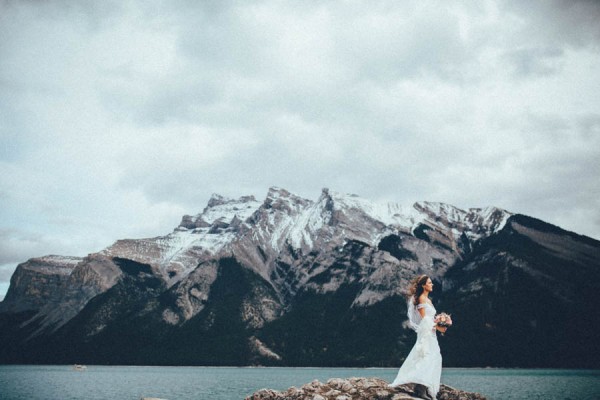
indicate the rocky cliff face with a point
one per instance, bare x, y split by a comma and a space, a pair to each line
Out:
38, 282
291, 281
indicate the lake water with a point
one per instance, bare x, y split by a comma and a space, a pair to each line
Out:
213, 383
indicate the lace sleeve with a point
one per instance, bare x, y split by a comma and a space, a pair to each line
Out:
414, 317
422, 305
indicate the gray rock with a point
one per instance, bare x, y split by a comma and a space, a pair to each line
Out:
358, 389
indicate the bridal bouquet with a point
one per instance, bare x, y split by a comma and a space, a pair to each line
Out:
443, 320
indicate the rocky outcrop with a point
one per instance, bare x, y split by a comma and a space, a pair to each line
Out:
37, 282
358, 389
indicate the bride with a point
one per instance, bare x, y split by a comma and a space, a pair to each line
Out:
423, 365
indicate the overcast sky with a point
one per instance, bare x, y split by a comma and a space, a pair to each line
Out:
118, 118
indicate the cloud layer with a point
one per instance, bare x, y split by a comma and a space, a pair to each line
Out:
119, 118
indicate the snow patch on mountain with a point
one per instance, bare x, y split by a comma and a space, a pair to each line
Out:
306, 227
223, 210
284, 219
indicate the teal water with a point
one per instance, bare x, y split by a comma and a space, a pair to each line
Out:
212, 383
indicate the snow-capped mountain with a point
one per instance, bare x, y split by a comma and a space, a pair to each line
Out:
284, 220
285, 226
294, 275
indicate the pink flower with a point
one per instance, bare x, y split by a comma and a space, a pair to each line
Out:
443, 319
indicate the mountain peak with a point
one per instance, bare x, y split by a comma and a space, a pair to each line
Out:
218, 200
438, 207
280, 196
221, 208
342, 200
277, 189
277, 192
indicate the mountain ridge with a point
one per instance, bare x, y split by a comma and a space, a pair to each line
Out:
314, 278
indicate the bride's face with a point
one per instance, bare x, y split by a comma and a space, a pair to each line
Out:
428, 286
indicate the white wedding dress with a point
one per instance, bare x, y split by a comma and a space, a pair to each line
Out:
424, 362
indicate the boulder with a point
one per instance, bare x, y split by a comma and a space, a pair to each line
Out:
358, 389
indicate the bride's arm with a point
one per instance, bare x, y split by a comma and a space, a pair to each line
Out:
421, 306
421, 309
426, 323
441, 328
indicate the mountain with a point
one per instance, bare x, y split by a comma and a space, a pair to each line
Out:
291, 281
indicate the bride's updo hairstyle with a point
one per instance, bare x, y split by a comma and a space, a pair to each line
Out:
416, 288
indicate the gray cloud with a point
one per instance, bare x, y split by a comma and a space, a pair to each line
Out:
119, 118
536, 61
563, 22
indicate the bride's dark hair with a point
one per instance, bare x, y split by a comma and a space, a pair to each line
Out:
416, 288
